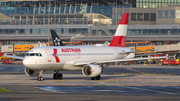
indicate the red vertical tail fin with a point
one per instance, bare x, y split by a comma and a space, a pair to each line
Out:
119, 39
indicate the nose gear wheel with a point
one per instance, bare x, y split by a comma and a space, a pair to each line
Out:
40, 78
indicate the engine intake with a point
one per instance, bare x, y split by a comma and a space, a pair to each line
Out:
31, 73
91, 70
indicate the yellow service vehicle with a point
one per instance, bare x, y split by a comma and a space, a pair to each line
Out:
3, 58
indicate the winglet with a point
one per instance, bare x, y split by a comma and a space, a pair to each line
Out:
56, 40
119, 39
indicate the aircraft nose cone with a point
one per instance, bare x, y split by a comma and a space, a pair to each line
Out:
26, 62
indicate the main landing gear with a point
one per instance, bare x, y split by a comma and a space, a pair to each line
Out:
57, 75
40, 78
96, 78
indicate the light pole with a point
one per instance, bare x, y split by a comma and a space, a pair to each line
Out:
55, 16
123, 7
48, 25
116, 14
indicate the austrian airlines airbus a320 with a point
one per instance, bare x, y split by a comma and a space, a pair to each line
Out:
90, 59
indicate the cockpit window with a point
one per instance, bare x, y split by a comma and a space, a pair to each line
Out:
32, 54
27, 54
37, 54
40, 54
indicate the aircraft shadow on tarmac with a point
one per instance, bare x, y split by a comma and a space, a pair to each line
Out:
173, 71
85, 78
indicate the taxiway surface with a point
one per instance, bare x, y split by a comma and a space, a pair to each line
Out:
122, 82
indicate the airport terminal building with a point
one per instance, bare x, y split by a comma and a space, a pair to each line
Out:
29, 21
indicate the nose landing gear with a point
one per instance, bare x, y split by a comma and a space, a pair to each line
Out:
56, 75
40, 78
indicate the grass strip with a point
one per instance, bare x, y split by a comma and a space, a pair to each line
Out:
5, 90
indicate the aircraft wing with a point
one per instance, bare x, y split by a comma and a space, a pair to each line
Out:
16, 57
117, 60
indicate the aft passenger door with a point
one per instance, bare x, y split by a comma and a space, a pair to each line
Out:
49, 56
117, 53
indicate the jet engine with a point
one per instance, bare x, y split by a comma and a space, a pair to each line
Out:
91, 70
131, 55
31, 73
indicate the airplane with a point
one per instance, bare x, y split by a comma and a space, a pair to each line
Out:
91, 60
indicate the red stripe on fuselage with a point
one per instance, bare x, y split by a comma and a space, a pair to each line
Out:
118, 41
55, 55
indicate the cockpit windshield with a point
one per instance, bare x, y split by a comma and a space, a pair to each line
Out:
34, 54
40, 54
37, 54
27, 54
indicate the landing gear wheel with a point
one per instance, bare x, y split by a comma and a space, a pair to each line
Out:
40, 78
96, 78
93, 78
60, 76
55, 76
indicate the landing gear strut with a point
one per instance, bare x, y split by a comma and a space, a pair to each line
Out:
40, 78
57, 75
96, 78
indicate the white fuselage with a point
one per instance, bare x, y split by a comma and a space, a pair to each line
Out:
64, 57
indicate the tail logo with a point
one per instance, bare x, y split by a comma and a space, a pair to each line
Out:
119, 39
57, 41
55, 55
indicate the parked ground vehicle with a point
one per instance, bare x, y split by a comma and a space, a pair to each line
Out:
10, 61
174, 62
165, 61
170, 62
2, 57
7, 61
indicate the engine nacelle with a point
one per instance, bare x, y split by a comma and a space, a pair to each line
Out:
131, 55
91, 70
31, 73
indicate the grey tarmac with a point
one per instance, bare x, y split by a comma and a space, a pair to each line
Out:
119, 83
